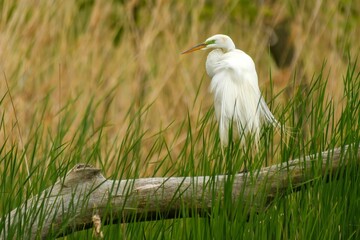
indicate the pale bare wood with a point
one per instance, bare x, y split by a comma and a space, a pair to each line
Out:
71, 202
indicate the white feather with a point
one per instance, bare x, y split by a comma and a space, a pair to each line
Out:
234, 84
237, 97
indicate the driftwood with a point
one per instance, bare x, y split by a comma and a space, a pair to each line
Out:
84, 192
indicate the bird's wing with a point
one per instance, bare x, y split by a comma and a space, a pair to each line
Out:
243, 68
237, 96
244, 71
224, 101
235, 100
235, 80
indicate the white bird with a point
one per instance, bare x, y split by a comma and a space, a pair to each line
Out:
234, 84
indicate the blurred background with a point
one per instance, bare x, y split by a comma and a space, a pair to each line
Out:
58, 56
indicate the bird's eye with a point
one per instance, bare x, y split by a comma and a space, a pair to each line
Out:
210, 42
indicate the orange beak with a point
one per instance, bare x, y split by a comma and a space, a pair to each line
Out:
195, 48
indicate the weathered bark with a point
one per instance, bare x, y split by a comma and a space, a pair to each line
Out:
70, 203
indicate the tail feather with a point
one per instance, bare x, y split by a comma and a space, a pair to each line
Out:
267, 115
270, 119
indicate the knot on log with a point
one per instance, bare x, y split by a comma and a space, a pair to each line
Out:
80, 174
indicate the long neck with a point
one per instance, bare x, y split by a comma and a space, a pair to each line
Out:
212, 61
229, 46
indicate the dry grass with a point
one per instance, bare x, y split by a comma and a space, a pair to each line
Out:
128, 54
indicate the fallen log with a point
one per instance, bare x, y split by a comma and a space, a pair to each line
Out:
70, 204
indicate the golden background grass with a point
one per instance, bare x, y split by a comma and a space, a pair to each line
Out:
126, 55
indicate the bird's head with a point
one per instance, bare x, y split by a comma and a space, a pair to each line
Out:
219, 41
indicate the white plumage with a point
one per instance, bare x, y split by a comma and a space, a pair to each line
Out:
234, 84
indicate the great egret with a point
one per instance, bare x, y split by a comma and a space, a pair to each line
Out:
234, 84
